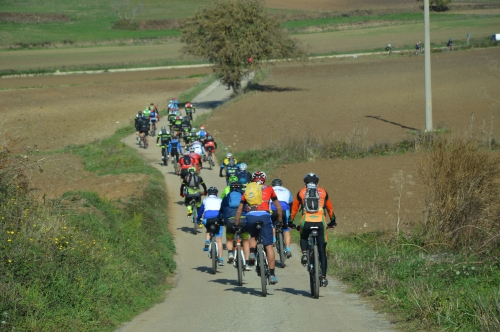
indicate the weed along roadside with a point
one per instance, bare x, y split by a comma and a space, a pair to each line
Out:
83, 262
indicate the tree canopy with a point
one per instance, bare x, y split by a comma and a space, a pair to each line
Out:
237, 37
439, 5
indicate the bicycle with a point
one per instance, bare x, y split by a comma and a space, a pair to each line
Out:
312, 265
239, 256
176, 163
210, 159
213, 225
153, 129
164, 154
261, 258
280, 243
194, 215
142, 141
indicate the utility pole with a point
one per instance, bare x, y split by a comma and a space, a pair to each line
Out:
427, 57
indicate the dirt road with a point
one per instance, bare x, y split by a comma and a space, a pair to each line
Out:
203, 301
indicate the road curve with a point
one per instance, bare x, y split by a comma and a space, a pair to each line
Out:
201, 301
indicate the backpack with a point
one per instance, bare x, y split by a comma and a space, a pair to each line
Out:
253, 194
192, 180
311, 199
234, 199
209, 138
187, 160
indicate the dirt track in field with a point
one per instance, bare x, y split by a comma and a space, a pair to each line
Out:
340, 5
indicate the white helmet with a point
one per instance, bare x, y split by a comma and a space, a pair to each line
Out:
229, 155
243, 167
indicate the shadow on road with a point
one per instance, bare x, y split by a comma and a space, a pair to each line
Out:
208, 104
376, 117
295, 291
186, 229
203, 269
271, 88
236, 288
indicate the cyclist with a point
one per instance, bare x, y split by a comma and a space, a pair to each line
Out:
153, 107
285, 198
202, 134
449, 44
142, 126
314, 200
198, 148
164, 138
185, 163
196, 158
210, 209
255, 201
185, 136
177, 124
136, 120
174, 148
232, 180
173, 104
418, 48
146, 113
230, 165
193, 136
171, 116
388, 49
189, 108
227, 213
185, 124
190, 189
243, 175
210, 146
154, 116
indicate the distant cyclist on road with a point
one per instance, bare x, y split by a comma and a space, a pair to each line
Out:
163, 139
174, 148
243, 175
314, 200
190, 189
154, 116
388, 49
230, 166
449, 44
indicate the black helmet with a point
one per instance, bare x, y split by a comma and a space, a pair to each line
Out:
212, 191
277, 182
235, 186
163, 130
311, 177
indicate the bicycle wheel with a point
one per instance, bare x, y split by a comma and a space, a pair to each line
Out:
194, 217
210, 162
281, 249
239, 264
213, 248
263, 277
165, 158
315, 273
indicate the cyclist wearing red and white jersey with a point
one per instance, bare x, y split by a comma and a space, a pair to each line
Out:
260, 212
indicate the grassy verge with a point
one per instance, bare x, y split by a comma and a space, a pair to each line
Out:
426, 288
82, 262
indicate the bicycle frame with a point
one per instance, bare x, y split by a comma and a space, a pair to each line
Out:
261, 250
313, 262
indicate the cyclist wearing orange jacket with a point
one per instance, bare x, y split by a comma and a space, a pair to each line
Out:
313, 200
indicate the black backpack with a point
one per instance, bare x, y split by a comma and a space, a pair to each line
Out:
187, 160
192, 180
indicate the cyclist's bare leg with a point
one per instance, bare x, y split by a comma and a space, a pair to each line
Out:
287, 237
270, 256
246, 248
218, 239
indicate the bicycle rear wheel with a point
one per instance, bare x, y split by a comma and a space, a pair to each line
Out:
165, 157
210, 162
213, 252
315, 274
239, 264
262, 267
281, 249
194, 216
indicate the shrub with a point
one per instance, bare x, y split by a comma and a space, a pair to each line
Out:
462, 200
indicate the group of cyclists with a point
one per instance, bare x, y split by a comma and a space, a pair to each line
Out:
419, 48
245, 200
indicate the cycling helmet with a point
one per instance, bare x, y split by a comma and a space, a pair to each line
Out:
311, 177
233, 178
235, 185
212, 191
164, 130
192, 169
242, 167
186, 152
229, 155
202, 128
259, 177
388, 45
277, 182
193, 130
139, 113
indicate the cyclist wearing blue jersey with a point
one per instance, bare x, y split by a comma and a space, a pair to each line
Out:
174, 148
285, 199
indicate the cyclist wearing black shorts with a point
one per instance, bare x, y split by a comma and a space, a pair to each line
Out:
164, 138
142, 126
174, 148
